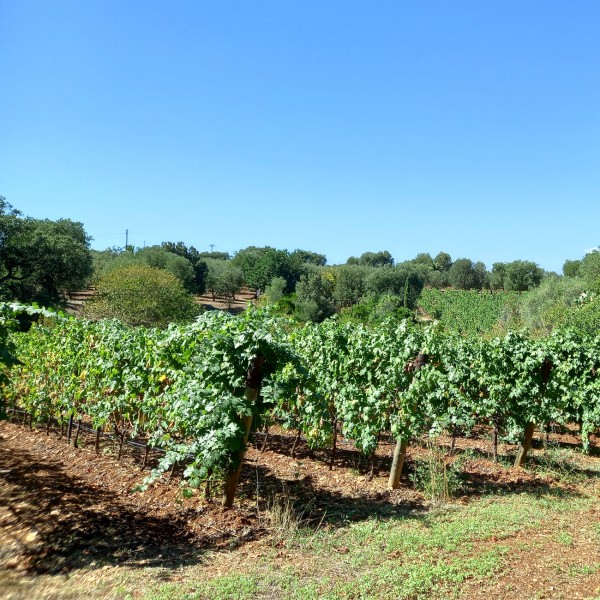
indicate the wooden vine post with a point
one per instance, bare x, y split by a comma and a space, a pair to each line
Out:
402, 443
253, 381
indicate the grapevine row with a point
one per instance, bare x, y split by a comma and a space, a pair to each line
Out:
183, 388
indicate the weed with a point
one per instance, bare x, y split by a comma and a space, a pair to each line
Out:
564, 538
436, 476
558, 461
579, 570
281, 517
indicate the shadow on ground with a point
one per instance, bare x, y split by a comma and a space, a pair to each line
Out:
56, 523
76, 525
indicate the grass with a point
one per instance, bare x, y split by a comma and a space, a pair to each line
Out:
413, 555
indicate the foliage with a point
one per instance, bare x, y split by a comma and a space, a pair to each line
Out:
442, 262
141, 295
590, 270
9, 322
182, 388
522, 275
310, 258
389, 305
517, 276
41, 258
464, 274
372, 259
397, 281
585, 316
153, 256
571, 268
260, 265
274, 292
214, 255
350, 285
468, 312
314, 297
223, 278
195, 259
551, 305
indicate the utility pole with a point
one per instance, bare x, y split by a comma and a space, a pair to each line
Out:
211, 247
126, 239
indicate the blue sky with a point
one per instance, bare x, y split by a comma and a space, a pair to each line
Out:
335, 126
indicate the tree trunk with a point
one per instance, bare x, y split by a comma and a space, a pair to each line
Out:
296, 439
253, 381
495, 442
333, 445
69, 429
397, 464
401, 444
522, 454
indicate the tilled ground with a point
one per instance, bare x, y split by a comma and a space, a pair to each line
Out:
70, 517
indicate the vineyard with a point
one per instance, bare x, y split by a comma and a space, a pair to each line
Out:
469, 312
187, 390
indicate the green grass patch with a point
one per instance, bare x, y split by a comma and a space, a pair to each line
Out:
412, 555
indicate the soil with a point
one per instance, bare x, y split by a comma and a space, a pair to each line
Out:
68, 509
75, 301
234, 306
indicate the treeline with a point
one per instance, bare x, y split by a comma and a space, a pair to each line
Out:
40, 260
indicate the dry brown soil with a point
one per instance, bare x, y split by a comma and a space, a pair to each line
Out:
67, 514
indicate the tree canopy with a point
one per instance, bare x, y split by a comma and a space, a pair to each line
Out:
372, 259
40, 258
260, 265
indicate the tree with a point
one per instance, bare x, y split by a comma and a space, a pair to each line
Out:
497, 276
571, 268
442, 262
314, 297
176, 264
274, 292
41, 258
260, 265
397, 281
424, 258
310, 258
223, 279
590, 270
215, 255
197, 261
350, 285
142, 295
374, 259
389, 305
481, 274
522, 275
465, 275
152, 256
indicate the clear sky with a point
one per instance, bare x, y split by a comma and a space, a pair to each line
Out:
471, 127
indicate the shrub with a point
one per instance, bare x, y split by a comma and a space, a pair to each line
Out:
141, 295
